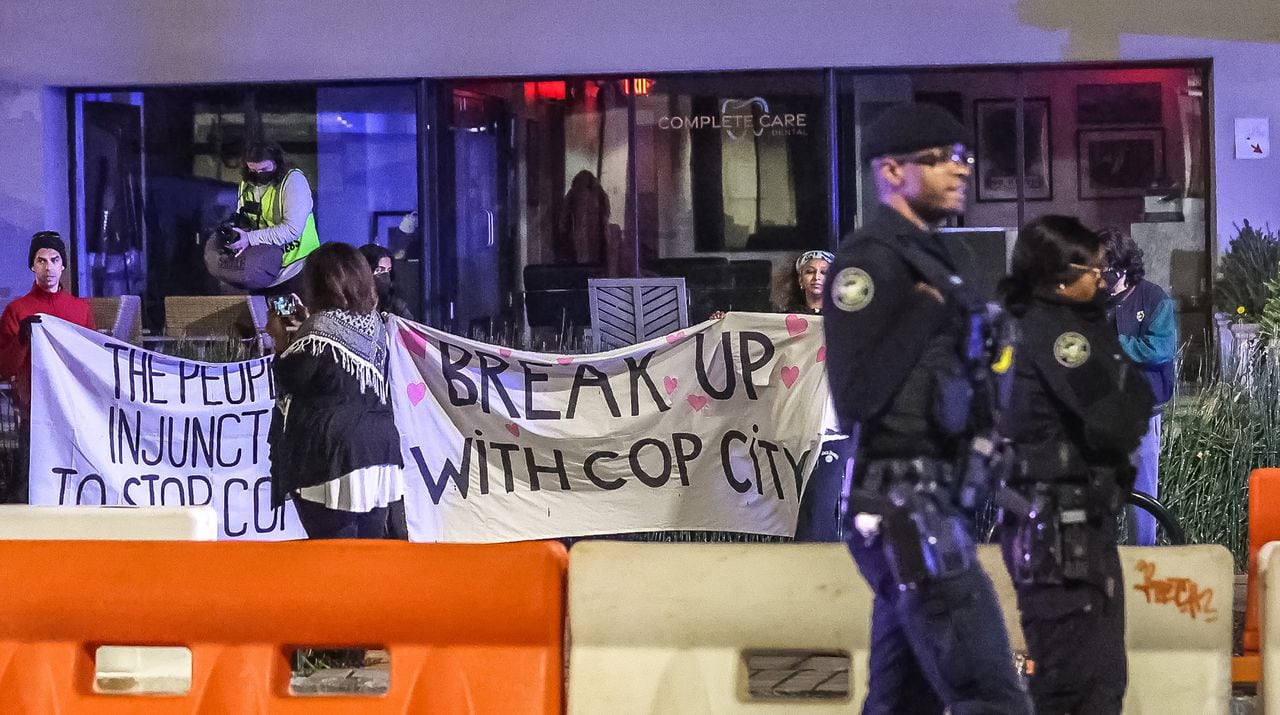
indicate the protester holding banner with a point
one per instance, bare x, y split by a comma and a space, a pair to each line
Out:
335, 449
800, 291
1080, 407
47, 258
382, 265
897, 321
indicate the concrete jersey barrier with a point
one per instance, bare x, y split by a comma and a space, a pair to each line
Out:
665, 627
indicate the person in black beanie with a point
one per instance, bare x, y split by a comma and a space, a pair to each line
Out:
47, 258
896, 317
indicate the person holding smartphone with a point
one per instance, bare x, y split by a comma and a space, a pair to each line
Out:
335, 450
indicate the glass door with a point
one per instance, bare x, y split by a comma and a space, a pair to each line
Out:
480, 131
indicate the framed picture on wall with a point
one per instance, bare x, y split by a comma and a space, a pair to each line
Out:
1119, 163
383, 225
1128, 103
996, 168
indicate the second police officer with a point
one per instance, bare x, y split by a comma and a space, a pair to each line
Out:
898, 322
1079, 407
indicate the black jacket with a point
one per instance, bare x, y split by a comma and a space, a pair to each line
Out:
1078, 401
332, 426
887, 340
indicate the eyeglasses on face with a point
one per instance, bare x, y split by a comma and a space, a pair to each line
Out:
381, 270
1095, 270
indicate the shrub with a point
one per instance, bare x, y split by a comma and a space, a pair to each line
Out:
1252, 260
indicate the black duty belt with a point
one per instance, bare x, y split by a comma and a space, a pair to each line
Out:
882, 477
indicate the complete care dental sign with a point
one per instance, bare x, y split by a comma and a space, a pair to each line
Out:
712, 428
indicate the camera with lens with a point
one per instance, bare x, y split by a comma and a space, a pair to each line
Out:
246, 219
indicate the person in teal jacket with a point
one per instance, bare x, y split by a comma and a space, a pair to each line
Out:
1147, 323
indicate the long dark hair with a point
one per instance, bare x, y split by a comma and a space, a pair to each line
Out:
373, 253
264, 151
1042, 255
338, 278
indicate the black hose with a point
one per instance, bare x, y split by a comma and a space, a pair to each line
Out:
1146, 502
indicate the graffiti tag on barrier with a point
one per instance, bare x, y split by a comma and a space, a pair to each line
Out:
1183, 593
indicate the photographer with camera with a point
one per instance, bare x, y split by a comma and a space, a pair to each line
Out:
1079, 409
265, 243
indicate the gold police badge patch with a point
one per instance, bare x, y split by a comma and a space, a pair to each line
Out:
1071, 349
852, 290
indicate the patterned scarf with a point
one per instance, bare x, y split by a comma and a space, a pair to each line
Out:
358, 343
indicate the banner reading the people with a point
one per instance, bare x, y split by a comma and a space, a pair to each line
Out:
113, 424
715, 428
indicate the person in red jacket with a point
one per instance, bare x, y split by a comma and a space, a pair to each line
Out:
47, 258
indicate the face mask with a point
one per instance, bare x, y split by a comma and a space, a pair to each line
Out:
382, 283
260, 178
1112, 278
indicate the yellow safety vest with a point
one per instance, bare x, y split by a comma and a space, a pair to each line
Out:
273, 213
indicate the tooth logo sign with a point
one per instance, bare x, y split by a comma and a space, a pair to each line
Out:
730, 107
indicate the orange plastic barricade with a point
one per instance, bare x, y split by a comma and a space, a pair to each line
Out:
470, 628
1264, 526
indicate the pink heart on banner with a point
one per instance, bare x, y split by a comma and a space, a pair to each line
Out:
504, 352
415, 343
697, 402
670, 383
790, 373
796, 325
822, 354
416, 391
675, 337
564, 360
513, 429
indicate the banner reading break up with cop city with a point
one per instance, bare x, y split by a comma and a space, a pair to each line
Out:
711, 428
113, 424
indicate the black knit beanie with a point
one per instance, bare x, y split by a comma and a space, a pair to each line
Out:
46, 239
906, 128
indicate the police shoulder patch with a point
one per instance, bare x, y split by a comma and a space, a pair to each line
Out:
852, 290
1071, 349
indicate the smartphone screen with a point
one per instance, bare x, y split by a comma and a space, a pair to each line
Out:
283, 305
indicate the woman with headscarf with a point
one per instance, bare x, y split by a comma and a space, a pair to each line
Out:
801, 291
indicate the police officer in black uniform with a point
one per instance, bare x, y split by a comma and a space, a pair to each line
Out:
897, 321
1079, 407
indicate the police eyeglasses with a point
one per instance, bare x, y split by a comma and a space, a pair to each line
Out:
932, 157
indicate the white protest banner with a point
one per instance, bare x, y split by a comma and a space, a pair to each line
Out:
712, 428
113, 424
